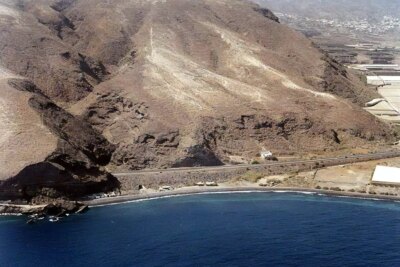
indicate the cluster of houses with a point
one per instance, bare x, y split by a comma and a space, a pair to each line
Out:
386, 24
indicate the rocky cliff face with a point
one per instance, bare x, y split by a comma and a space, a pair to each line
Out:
71, 169
151, 84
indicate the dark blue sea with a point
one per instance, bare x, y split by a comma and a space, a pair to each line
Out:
238, 229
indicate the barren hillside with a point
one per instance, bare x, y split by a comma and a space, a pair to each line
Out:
173, 83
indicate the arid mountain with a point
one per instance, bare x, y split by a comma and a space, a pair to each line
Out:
157, 83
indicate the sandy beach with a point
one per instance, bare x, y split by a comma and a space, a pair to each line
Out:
149, 194
223, 189
350, 180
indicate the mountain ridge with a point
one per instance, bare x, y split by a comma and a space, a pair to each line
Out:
154, 87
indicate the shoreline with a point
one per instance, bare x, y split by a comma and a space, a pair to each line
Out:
189, 191
351, 180
243, 189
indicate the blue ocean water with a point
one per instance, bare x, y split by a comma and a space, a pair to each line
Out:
238, 229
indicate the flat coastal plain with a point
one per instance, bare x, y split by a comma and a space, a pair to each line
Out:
351, 180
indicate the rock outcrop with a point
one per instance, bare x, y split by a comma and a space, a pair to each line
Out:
58, 208
74, 169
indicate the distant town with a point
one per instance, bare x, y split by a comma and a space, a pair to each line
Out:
386, 25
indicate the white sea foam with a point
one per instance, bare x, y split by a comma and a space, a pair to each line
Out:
297, 192
363, 198
145, 198
178, 195
11, 214
183, 194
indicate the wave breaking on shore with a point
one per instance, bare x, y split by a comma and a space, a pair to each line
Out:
141, 198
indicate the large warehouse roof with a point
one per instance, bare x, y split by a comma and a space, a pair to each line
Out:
381, 80
386, 175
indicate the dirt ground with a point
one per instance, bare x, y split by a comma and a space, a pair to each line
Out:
350, 178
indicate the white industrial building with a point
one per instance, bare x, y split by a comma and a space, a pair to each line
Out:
372, 67
266, 154
387, 107
383, 80
386, 175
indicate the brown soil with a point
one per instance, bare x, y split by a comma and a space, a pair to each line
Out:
150, 84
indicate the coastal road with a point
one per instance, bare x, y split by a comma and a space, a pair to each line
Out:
331, 161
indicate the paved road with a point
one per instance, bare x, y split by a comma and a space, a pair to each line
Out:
332, 161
